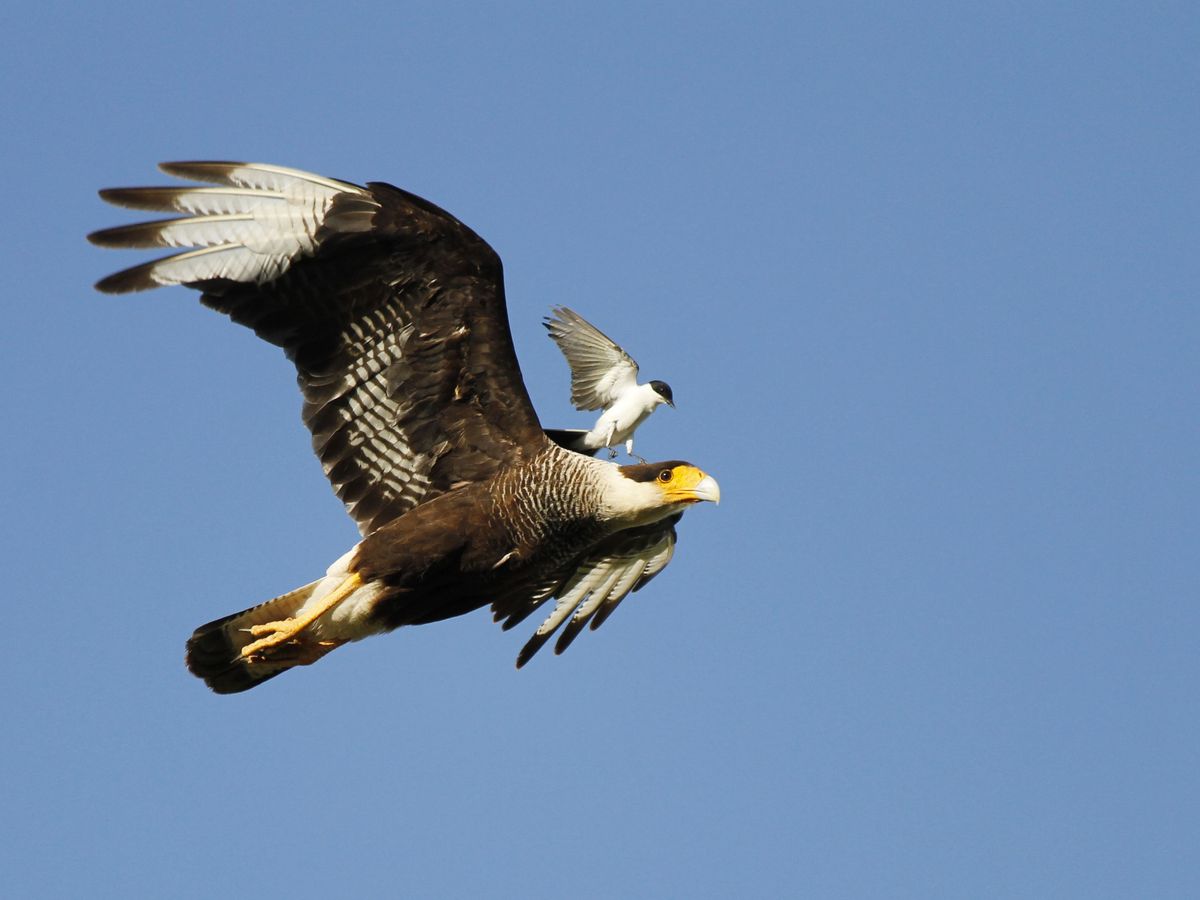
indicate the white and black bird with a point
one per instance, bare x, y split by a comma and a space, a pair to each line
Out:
603, 376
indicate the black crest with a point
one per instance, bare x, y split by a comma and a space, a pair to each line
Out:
650, 471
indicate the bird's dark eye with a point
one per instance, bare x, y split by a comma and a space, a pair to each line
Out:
664, 476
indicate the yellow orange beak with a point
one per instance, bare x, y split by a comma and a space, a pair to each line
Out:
690, 485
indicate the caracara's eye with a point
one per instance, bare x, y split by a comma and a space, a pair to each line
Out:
664, 476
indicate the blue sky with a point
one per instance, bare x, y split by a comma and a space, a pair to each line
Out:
923, 279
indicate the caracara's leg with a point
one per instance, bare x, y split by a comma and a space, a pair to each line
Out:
285, 630
292, 653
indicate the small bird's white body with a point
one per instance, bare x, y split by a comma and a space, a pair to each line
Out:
603, 376
618, 423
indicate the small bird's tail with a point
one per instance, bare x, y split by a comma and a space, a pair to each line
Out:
571, 439
214, 651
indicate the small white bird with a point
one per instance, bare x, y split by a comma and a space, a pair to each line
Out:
603, 376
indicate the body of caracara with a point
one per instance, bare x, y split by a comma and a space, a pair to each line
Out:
476, 545
394, 315
508, 542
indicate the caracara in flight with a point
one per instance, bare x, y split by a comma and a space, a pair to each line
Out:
603, 376
393, 313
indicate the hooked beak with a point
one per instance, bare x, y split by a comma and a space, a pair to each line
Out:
707, 489
691, 486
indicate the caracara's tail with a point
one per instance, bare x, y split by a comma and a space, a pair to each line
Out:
214, 652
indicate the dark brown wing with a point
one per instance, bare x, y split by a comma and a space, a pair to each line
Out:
392, 310
590, 589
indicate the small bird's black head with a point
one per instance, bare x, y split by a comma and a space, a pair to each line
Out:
663, 390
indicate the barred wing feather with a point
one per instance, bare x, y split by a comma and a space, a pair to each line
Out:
391, 309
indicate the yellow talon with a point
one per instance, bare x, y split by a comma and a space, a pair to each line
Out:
268, 627
288, 630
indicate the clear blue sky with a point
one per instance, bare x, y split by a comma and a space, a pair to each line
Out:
924, 280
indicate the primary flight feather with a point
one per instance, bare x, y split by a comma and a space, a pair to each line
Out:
393, 313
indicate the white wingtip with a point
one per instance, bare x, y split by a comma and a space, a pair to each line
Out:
250, 229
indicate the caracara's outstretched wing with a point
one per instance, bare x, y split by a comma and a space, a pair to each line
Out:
392, 310
592, 587
600, 370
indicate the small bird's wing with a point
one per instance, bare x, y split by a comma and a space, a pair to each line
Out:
593, 586
600, 370
392, 310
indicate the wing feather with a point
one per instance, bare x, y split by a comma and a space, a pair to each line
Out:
595, 585
600, 370
391, 309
